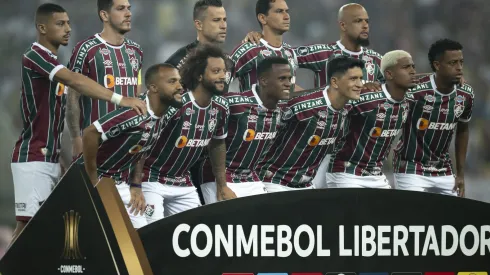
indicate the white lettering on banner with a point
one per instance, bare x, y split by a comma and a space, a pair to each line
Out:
368, 241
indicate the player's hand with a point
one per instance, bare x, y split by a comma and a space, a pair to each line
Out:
137, 202
253, 37
372, 86
225, 193
137, 104
76, 147
459, 187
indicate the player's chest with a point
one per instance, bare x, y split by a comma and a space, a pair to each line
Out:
284, 53
196, 123
144, 137
327, 123
123, 62
256, 125
387, 114
440, 109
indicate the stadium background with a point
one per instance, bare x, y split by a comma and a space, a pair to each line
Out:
162, 26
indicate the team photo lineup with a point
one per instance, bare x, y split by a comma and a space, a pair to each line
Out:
178, 136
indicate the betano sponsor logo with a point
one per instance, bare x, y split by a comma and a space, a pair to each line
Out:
378, 132
250, 135
110, 81
424, 124
183, 141
318, 141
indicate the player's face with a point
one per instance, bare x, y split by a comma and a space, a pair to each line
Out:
120, 16
450, 66
357, 26
169, 88
58, 28
350, 84
214, 24
279, 82
214, 76
278, 16
403, 73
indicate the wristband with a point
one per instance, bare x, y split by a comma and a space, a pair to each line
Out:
135, 185
116, 98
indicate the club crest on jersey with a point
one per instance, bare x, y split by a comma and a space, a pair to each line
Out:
427, 108
212, 124
287, 113
134, 63
322, 114
385, 105
370, 68
460, 99
129, 51
149, 210
429, 98
114, 131
367, 58
266, 53
458, 110
104, 51
189, 111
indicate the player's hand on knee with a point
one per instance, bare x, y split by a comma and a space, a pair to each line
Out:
253, 37
225, 193
459, 187
137, 201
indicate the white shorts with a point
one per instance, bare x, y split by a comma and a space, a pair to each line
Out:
124, 191
242, 189
273, 187
440, 185
320, 179
345, 180
165, 200
33, 183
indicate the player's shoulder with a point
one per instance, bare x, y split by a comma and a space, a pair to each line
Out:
86, 43
242, 49
221, 101
244, 98
314, 48
35, 52
466, 88
130, 42
424, 85
373, 53
368, 97
308, 99
176, 58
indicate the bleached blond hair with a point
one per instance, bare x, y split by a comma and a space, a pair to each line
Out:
391, 59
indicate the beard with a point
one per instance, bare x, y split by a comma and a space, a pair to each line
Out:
118, 28
211, 86
364, 42
171, 101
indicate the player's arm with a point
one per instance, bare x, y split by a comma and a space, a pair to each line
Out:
73, 121
461, 146
90, 88
137, 201
91, 137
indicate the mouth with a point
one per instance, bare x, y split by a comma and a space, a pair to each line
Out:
364, 33
178, 96
67, 36
127, 21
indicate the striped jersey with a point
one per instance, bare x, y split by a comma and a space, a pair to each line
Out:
180, 56
125, 137
247, 56
424, 144
372, 125
251, 130
315, 58
186, 133
310, 126
117, 68
42, 106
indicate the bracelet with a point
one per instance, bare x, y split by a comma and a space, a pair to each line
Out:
116, 98
135, 185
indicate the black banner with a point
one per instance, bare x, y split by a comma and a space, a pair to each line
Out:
324, 231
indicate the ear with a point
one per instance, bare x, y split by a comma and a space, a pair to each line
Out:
200, 78
41, 28
263, 81
389, 75
262, 18
437, 65
152, 88
334, 82
104, 15
198, 25
342, 26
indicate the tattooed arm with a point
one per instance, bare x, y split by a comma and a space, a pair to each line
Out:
73, 121
217, 155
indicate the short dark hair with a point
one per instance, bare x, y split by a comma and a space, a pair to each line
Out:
153, 70
46, 10
202, 5
104, 5
262, 7
341, 64
265, 65
438, 48
196, 64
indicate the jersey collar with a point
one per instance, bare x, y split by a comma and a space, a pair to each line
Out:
256, 95
45, 49
107, 44
433, 83
262, 40
193, 100
150, 112
342, 47
329, 103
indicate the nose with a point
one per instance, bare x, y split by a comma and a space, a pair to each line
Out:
179, 85
459, 66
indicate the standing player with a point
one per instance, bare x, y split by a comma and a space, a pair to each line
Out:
201, 122
107, 58
273, 17
421, 161
373, 122
253, 125
126, 136
35, 166
210, 23
312, 123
